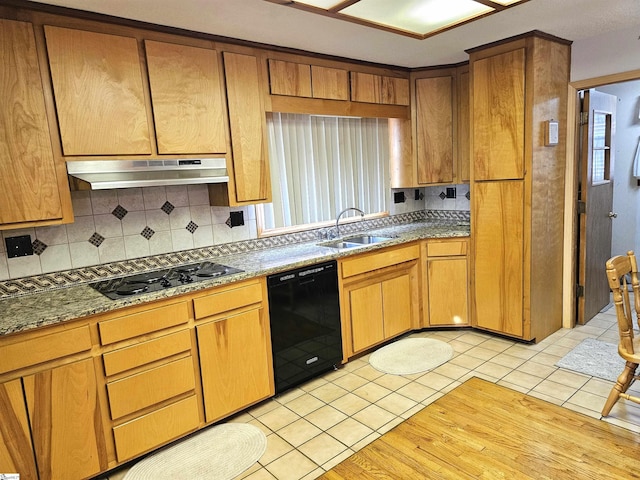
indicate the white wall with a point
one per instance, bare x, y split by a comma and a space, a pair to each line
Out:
626, 192
613, 52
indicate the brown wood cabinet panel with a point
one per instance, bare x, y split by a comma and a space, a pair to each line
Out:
434, 129
371, 88
377, 260
186, 93
44, 348
329, 83
156, 428
99, 95
463, 136
140, 323
28, 183
143, 353
396, 305
223, 301
66, 422
498, 213
150, 387
289, 78
446, 248
248, 128
394, 91
16, 451
448, 287
235, 361
366, 313
499, 116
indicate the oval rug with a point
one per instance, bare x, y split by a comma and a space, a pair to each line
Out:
221, 452
411, 355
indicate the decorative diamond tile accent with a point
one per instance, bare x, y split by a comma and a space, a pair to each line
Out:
468, 195
147, 232
38, 246
442, 195
119, 212
96, 239
167, 207
192, 227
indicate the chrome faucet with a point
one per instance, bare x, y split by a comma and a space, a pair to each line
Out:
343, 212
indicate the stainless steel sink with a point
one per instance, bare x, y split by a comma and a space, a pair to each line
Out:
352, 242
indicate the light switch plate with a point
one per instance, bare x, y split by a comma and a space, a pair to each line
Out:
551, 133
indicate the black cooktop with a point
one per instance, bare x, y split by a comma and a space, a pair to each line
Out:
140, 283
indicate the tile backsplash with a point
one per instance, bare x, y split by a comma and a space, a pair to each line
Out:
125, 224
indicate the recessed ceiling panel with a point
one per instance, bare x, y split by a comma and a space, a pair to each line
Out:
326, 4
417, 16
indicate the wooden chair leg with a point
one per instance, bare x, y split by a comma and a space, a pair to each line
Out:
622, 383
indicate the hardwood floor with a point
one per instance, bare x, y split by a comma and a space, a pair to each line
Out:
483, 430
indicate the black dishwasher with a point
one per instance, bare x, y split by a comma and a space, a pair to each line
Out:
304, 310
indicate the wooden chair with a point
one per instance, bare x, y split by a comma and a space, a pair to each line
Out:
618, 268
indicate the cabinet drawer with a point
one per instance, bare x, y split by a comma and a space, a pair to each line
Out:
47, 347
150, 387
156, 428
227, 300
445, 249
146, 352
387, 258
151, 320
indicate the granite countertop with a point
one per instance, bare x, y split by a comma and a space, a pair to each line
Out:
21, 313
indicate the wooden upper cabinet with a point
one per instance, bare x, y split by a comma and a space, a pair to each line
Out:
186, 93
434, 129
329, 83
289, 78
499, 116
247, 121
29, 188
99, 94
463, 135
370, 88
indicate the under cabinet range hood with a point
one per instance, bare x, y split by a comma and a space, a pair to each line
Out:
106, 174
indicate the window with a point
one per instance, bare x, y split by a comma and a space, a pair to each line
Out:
321, 165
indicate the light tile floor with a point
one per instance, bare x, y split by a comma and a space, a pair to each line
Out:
313, 427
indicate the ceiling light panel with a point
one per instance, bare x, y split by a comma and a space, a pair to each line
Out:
418, 16
325, 4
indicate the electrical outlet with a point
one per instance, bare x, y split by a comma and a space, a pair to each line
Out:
19, 246
398, 197
451, 192
236, 218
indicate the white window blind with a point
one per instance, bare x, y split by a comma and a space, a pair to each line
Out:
321, 165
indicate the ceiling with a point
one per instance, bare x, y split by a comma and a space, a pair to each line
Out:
266, 22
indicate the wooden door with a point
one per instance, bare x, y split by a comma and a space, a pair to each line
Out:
186, 94
16, 452
498, 257
396, 305
448, 286
235, 363
434, 129
99, 94
596, 196
247, 120
66, 424
365, 308
499, 116
28, 183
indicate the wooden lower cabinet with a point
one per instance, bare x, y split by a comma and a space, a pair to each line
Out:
235, 362
66, 421
446, 301
16, 452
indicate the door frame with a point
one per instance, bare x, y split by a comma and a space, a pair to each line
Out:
571, 231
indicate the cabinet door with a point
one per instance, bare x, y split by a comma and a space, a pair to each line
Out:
28, 184
248, 128
288, 78
99, 92
329, 83
396, 305
463, 136
188, 108
365, 305
498, 116
498, 256
448, 286
235, 363
370, 88
16, 452
434, 129
66, 421
394, 91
